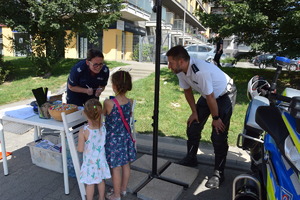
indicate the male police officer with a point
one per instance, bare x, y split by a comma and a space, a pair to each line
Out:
217, 98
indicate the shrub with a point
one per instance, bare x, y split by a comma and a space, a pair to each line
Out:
135, 54
146, 52
227, 60
4, 69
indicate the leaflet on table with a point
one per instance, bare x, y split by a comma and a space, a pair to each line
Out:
46, 144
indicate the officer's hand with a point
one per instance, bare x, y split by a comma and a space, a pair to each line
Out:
98, 92
89, 91
218, 125
193, 117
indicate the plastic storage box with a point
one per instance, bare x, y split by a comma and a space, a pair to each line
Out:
46, 158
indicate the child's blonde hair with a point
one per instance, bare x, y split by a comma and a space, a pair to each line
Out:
93, 111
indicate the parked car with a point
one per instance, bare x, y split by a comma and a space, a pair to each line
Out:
203, 52
163, 58
264, 60
294, 64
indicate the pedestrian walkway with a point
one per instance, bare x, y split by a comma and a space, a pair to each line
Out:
26, 181
137, 70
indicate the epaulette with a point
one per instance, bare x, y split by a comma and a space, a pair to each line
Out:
195, 68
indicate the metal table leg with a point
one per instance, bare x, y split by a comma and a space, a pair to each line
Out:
3, 149
64, 160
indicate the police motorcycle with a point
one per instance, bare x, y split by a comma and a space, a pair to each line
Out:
271, 135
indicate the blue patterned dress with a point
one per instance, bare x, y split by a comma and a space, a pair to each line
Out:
119, 146
94, 167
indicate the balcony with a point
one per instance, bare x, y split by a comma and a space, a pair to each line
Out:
244, 48
178, 25
201, 38
188, 28
191, 9
136, 10
181, 8
163, 15
165, 21
183, 2
170, 18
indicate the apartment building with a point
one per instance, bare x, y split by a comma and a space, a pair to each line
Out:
180, 25
133, 35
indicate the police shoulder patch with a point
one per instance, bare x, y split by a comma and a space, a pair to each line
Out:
195, 68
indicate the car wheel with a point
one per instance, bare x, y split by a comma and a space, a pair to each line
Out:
292, 68
209, 60
262, 66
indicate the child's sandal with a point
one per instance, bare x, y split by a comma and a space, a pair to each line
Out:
111, 191
111, 197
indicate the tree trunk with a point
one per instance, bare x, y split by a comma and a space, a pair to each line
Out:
55, 46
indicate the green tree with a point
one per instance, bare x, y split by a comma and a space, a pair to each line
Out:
46, 21
265, 25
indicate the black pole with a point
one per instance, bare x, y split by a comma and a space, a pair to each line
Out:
157, 8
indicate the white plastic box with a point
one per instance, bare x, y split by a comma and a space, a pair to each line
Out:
46, 158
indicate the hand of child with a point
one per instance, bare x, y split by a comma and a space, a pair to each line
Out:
98, 92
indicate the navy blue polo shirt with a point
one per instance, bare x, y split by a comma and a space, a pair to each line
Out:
80, 75
220, 41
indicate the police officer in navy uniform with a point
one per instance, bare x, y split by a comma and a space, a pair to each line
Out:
219, 50
217, 99
87, 78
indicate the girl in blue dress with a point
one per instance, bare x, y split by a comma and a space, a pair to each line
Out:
91, 140
119, 147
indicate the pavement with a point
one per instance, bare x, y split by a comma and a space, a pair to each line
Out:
27, 181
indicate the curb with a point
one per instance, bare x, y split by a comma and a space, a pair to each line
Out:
174, 148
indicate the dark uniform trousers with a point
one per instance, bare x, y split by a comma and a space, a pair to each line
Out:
217, 58
220, 143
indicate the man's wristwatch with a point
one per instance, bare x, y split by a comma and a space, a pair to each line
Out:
216, 117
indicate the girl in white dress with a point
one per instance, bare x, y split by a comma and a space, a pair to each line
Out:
91, 140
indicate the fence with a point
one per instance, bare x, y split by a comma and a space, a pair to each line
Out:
144, 48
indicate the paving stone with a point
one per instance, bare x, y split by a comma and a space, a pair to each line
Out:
136, 179
181, 173
144, 164
158, 189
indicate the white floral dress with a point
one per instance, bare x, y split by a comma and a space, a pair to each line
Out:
94, 167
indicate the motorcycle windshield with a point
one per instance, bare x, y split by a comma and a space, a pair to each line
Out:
269, 119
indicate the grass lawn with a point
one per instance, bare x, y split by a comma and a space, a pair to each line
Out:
23, 78
173, 108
